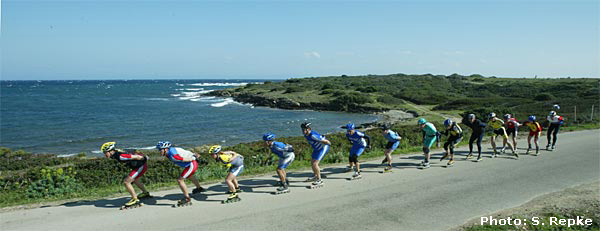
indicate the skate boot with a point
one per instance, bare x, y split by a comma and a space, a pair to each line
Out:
552, 148
387, 169
516, 154
469, 156
548, 147
316, 184
311, 179
478, 159
425, 165
356, 176
233, 197
528, 151
282, 189
444, 156
450, 163
133, 203
503, 150
198, 190
495, 154
238, 190
144, 195
183, 202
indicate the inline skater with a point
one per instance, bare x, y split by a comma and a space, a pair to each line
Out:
137, 163
478, 130
556, 122
235, 163
320, 147
429, 137
393, 141
187, 160
535, 130
512, 128
286, 155
359, 141
455, 134
499, 130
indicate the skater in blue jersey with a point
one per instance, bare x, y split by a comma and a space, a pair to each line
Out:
393, 141
286, 155
359, 141
320, 147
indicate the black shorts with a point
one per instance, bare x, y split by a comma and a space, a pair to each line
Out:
512, 131
499, 131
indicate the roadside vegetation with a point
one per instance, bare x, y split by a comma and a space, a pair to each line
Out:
27, 178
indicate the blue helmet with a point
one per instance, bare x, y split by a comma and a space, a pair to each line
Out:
268, 136
163, 144
556, 106
350, 126
532, 118
507, 116
447, 122
422, 121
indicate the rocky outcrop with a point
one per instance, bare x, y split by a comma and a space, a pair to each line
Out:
285, 103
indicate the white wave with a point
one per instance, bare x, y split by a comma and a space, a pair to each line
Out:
67, 155
189, 89
175, 95
221, 104
221, 84
97, 152
191, 95
157, 99
179, 84
146, 148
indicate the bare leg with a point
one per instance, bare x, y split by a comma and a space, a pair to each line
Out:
140, 185
230, 182
127, 182
183, 187
316, 169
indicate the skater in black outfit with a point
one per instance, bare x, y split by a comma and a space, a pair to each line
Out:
478, 129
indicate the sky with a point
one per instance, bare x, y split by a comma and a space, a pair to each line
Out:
44, 40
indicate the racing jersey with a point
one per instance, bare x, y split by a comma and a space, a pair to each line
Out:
281, 150
314, 139
429, 130
533, 126
177, 154
556, 119
512, 123
496, 124
125, 157
357, 138
226, 157
454, 131
392, 136
477, 126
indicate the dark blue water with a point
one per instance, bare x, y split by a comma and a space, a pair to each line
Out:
66, 117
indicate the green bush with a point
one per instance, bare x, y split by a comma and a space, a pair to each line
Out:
543, 97
54, 182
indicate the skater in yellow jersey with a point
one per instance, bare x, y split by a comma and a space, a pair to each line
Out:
499, 130
235, 162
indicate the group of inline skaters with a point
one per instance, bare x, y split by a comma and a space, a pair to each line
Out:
187, 160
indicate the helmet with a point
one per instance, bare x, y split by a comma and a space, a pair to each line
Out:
108, 146
385, 127
305, 125
447, 122
471, 116
268, 136
531, 118
507, 116
422, 121
492, 115
350, 126
555, 106
214, 149
552, 113
163, 144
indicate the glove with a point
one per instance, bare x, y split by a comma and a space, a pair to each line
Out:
228, 165
145, 158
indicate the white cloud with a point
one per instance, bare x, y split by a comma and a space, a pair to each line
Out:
312, 54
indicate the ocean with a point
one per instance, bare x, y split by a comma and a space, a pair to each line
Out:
70, 117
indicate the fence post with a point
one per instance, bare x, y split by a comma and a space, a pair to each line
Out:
592, 115
575, 114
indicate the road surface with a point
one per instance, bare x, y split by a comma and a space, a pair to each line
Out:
407, 199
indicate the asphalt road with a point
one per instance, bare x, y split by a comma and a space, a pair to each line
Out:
407, 199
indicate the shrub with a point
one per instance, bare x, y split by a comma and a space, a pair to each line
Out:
53, 182
543, 97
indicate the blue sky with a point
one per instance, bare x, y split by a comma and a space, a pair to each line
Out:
268, 39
